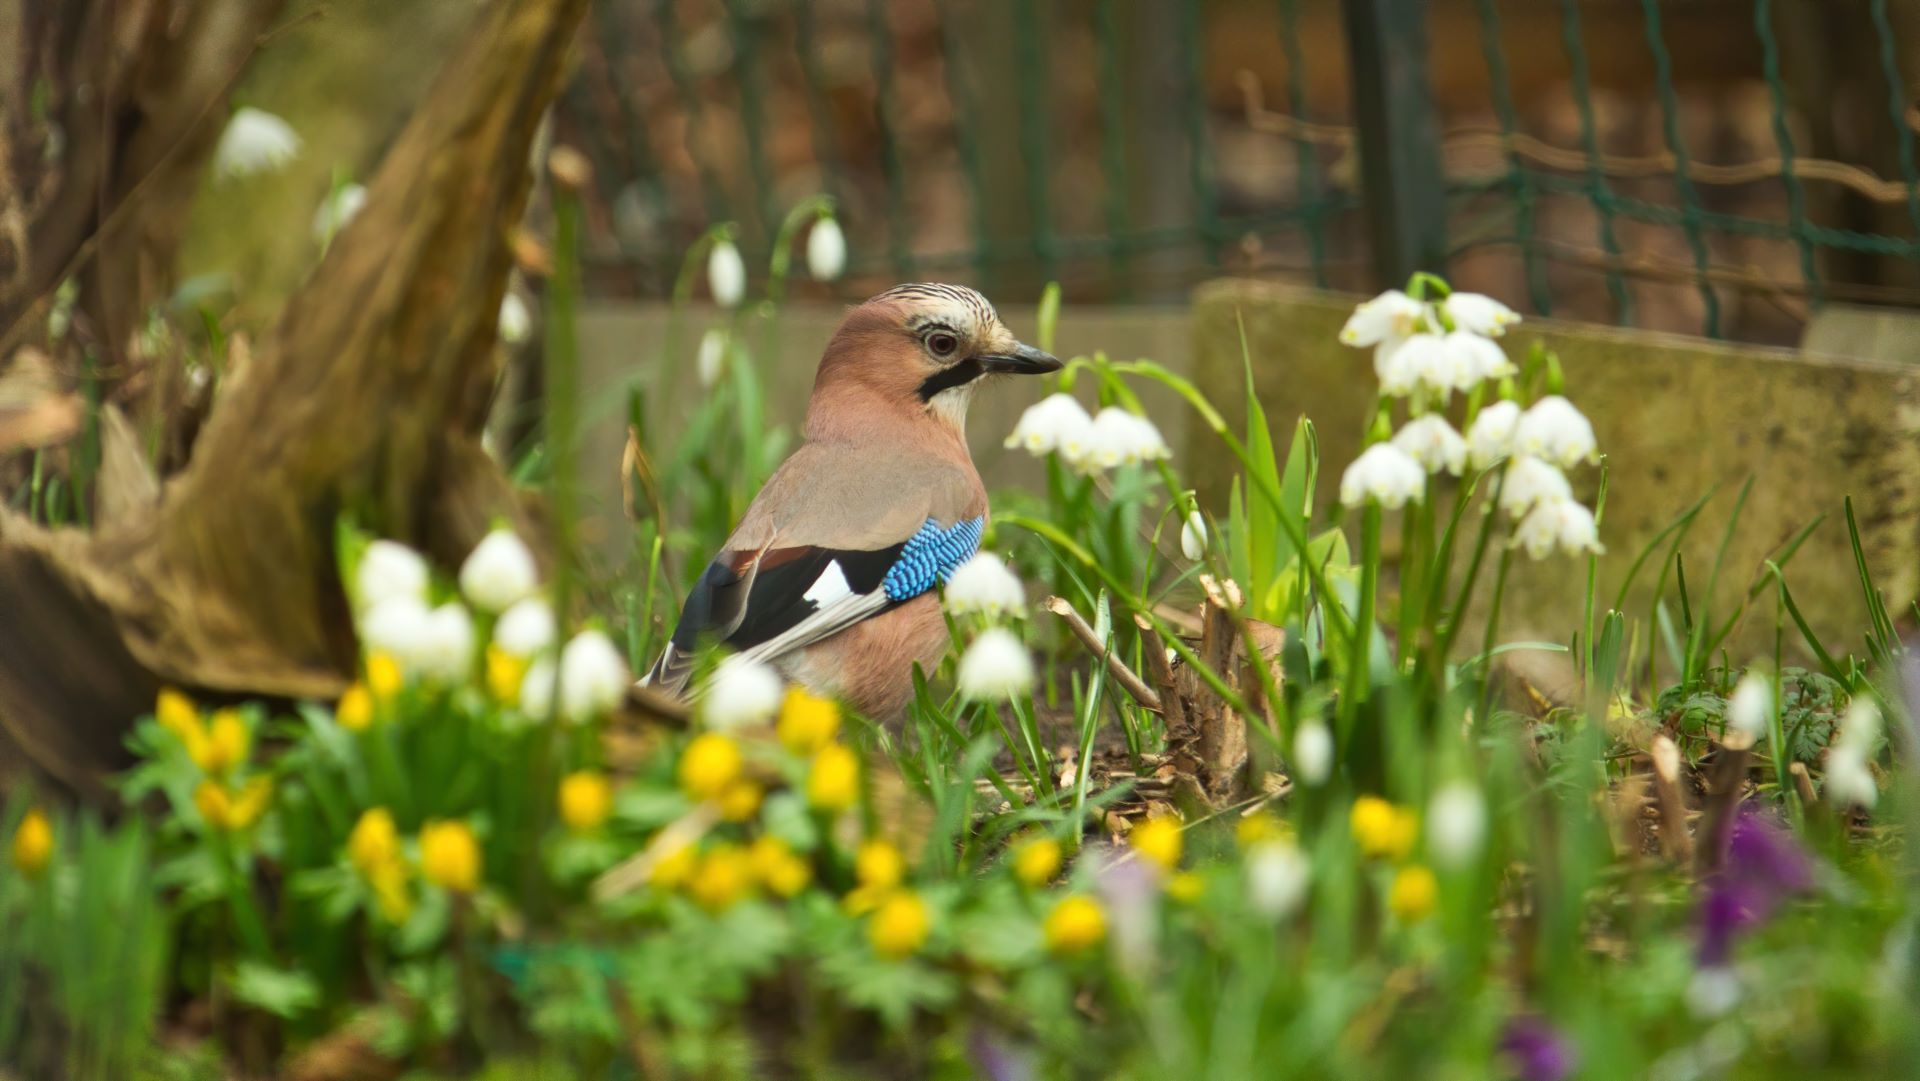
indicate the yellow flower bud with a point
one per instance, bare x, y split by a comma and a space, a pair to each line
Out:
505, 674
1413, 893
833, 778
711, 763
175, 712
1256, 828
673, 869
33, 843
227, 742
384, 678
389, 884
723, 877
1036, 860
450, 856
1186, 887
1381, 829
778, 868
740, 800
250, 803
1158, 841
807, 722
214, 804
354, 711
586, 799
900, 925
1075, 924
879, 865
374, 842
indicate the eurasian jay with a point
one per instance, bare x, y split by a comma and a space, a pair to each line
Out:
829, 576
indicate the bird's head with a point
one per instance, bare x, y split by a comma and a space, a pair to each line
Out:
922, 349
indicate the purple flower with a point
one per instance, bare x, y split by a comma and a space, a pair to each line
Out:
1538, 1051
996, 1059
1764, 866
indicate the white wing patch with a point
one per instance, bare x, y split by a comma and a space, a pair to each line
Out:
831, 586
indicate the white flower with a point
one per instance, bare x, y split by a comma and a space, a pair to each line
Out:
713, 355
1456, 824
983, 584
499, 572
1056, 422
1490, 436
338, 208
1713, 992
995, 666
1860, 726
515, 321
1479, 314
1531, 482
1472, 360
1433, 443
1312, 753
400, 626
1193, 537
1277, 876
1750, 706
726, 274
742, 692
536, 689
1556, 431
448, 651
1849, 780
1392, 314
593, 677
826, 250
1422, 360
526, 628
1122, 438
1564, 524
389, 569
1384, 474
255, 141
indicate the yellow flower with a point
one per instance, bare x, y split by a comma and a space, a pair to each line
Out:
226, 744
778, 868
710, 764
899, 926
389, 884
176, 712
879, 865
723, 877
1381, 829
225, 810
673, 868
1036, 860
1256, 828
1158, 841
1413, 893
807, 722
383, 676
450, 856
863, 899
374, 842
1075, 923
740, 800
833, 778
251, 803
586, 799
505, 673
1185, 887
33, 843
354, 711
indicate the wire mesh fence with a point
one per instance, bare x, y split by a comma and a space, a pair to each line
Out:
1721, 167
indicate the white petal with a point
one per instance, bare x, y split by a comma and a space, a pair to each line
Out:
515, 321
1479, 314
1433, 443
499, 573
826, 250
1193, 537
1392, 314
1750, 707
1456, 824
1312, 753
338, 208
1056, 422
1277, 877
1553, 429
389, 569
712, 356
254, 141
986, 586
726, 274
995, 666
1383, 474
1530, 482
742, 692
526, 628
1490, 436
593, 676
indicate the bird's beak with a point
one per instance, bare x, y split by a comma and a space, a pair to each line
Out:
1022, 360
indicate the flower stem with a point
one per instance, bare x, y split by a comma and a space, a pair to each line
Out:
1359, 658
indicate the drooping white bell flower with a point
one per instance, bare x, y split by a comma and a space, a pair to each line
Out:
1193, 537
1750, 706
255, 141
536, 689
1383, 474
1849, 780
337, 209
1433, 443
1554, 430
1312, 753
448, 655
401, 626
996, 666
1420, 362
593, 676
1456, 824
1056, 422
389, 569
1123, 438
1530, 482
1472, 360
1564, 525
1392, 314
499, 572
984, 585
712, 357
1478, 314
726, 274
826, 250
743, 692
1490, 436
1277, 877
525, 629
516, 322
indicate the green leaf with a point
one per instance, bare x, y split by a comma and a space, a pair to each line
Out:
285, 993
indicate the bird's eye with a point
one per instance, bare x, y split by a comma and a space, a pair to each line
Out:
942, 344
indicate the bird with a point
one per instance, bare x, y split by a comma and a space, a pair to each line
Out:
829, 576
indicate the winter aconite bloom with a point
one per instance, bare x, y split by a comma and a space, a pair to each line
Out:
995, 666
1479, 314
833, 779
807, 721
255, 141
1075, 924
1158, 841
1490, 436
1530, 482
983, 585
712, 356
32, 843
1193, 537
1381, 829
879, 865
742, 693
1456, 824
1750, 706
1312, 753
777, 867
1054, 423
898, 928
1393, 314
710, 763
1849, 780
232, 811
1563, 525
389, 569
374, 840
499, 572
726, 274
1432, 442
1036, 860
1383, 474
1554, 430
723, 876
593, 677
586, 799
337, 209
505, 675
1122, 438
354, 711
228, 741
1277, 875
1413, 893
826, 250
740, 801
450, 856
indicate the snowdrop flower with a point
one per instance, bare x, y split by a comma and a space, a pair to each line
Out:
515, 321
1750, 706
1456, 824
1312, 753
593, 677
995, 666
726, 274
499, 573
1122, 438
389, 569
536, 689
1383, 474
1421, 361
1056, 422
826, 250
984, 585
1193, 537
1277, 875
447, 653
1490, 436
1478, 314
255, 141
1565, 525
1472, 360
742, 693
526, 628
338, 208
713, 355
1432, 442
1531, 482
401, 626
1556, 431
1849, 782
1392, 314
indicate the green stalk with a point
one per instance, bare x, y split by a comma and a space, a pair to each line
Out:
1360, 646
1493, 624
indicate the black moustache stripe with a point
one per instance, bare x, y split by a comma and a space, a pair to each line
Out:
947, 378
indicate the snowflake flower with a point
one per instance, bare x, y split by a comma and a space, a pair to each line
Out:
984, 585
1383, 474
1553, 429
255, 141
1056, 422
826, 250
1490, 436
1564, 524
1432, 442
726, 274
1479, 314
995, 666
1392, 314
743, 692
1531, 482
499, 572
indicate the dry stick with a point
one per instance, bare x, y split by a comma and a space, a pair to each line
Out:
1122, 675
1161, 669
1674, 837
1803, 783
1723, 798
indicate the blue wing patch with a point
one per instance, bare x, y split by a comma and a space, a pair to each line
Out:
930, 555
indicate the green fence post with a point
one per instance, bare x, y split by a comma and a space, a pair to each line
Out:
1400, 176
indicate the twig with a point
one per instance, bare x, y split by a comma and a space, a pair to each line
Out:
1122, 675
1674, 837
1723, 798
1803, 783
